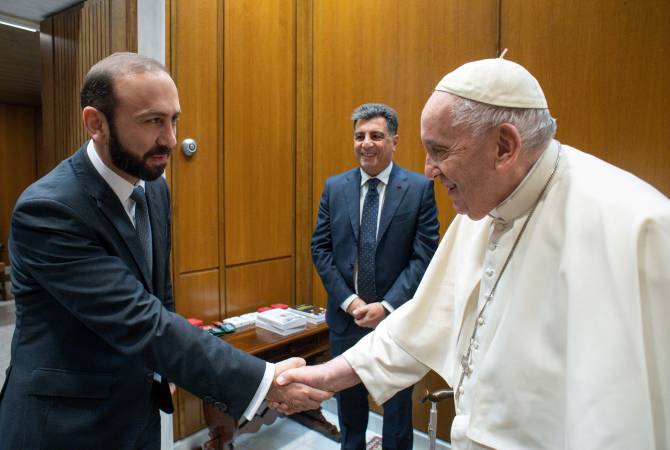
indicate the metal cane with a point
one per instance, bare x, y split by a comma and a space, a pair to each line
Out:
434, 397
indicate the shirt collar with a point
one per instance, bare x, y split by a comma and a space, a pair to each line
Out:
121, 187
527, 192
383, 176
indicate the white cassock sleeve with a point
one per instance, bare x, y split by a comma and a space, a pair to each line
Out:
384, 366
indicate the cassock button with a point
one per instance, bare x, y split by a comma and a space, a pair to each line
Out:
461, 389
493, 246
500, 226
489, 272
480, 321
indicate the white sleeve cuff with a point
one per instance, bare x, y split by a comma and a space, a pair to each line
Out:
261, 392
345, 304
388, 306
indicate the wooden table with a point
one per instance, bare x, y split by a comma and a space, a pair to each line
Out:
309, 344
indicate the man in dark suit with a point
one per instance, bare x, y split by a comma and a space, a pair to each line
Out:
96, 339
376, 232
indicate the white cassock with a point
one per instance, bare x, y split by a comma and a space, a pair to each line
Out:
574, 349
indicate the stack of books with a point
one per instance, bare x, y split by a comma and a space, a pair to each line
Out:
281, 321
314, 314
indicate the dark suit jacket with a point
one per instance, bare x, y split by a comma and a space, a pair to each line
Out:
90, 330
406, 241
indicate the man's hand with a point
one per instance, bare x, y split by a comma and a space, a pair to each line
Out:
369, 315
294, 397
354, 305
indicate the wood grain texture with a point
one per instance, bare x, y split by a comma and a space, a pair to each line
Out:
259, 110
189, 416
195, 179
250, 286
392, 52
303, 149
17, 160
71, 42
197, 295
605, 68
46, 153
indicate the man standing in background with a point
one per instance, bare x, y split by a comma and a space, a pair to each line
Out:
376, 232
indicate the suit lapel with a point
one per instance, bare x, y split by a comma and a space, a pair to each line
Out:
395, 192
109, 204
353, 198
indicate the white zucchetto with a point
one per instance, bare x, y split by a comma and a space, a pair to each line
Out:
496, 82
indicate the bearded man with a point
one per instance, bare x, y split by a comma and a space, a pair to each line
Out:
96, 337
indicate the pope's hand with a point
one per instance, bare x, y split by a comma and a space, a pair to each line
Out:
294, 397
332, 376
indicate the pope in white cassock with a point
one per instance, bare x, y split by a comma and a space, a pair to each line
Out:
547, 304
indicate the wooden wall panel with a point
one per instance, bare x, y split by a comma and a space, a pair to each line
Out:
46, 153
392, 52
259, 68
605, 68
197, 295
71, 42
195, 180
189, 416
251, 286
18, 169
303, 152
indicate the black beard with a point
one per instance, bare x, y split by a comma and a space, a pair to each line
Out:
131, 164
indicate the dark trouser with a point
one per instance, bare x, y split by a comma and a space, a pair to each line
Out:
352, 410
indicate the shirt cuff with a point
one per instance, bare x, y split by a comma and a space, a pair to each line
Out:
388, 306
345, 304
261, 392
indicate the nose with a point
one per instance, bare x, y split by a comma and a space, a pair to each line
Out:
367, 141
168, 136
431, 170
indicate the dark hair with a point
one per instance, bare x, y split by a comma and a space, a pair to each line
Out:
98, 88
369, 111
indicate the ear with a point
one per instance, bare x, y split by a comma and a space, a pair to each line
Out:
96, 125
395, 141
509, 146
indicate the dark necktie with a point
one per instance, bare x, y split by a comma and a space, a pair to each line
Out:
367, 244
142, 225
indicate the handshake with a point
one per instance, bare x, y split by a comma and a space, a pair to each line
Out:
297, 387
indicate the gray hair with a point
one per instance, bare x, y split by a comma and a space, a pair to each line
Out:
369, 111
536, 126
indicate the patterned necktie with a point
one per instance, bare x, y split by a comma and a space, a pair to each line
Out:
367, 244
142, 225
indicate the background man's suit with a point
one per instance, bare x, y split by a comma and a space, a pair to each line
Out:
91, 330
407, 237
